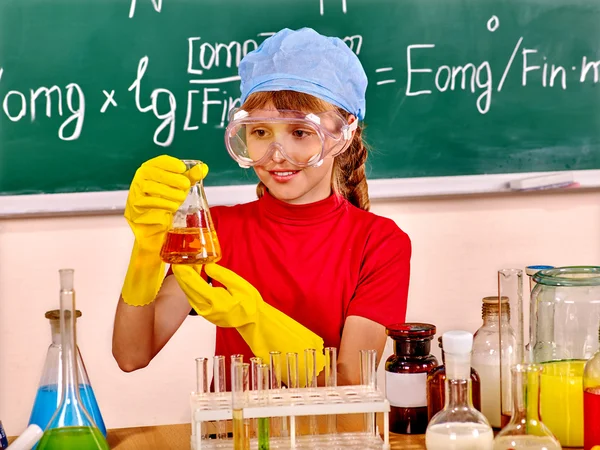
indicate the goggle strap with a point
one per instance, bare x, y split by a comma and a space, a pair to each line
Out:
348, 129
241, 114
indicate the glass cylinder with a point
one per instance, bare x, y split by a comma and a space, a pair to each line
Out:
406, 376
71, 426
192, 238
49, 391
565, 306
459, 425
591, 402
526, 429
486, 356
436, 387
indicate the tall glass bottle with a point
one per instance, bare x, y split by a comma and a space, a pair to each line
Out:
436, 387
48, 395
591, 402
459, 426
526, 431
192, 238
406, 376
486, 356
71, 426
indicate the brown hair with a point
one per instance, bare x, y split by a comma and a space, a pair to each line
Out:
348, 177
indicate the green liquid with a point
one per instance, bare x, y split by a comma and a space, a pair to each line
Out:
263, 434
73, 438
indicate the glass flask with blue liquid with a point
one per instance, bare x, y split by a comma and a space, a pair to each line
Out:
61, 373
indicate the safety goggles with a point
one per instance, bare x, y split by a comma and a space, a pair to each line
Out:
304, 140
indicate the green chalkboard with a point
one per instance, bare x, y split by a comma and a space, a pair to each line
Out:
461, 87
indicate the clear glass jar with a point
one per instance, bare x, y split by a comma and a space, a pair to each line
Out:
565, 306
591, 402
486, 357
406, 376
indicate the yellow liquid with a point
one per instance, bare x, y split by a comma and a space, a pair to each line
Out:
561, 400
239, 431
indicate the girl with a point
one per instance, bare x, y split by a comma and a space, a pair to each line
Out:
304, 266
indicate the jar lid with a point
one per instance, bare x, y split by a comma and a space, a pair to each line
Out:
411, 330
532, 270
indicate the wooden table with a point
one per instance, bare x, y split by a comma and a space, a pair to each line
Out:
175, 437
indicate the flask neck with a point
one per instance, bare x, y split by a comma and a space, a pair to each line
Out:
526, 396
457, 394
70, 379
55, 332
412, 347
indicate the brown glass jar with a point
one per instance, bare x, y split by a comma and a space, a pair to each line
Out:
436, 387
406, 376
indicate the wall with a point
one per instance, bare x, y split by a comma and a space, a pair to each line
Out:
458, 245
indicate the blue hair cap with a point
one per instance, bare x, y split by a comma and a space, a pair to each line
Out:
306, 61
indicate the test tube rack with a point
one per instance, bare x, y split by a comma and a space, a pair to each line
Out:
293, 403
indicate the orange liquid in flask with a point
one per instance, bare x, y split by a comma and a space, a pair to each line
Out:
191, 245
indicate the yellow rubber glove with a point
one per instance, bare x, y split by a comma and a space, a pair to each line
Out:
157, 190
238, 304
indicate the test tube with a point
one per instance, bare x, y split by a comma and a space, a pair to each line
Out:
246, 388
254, 363
368, 379
310, 363
275, 361
237, 403
202, 386
263, 379
292, 384
220, 387
331, 382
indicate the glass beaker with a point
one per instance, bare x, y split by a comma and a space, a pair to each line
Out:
192, 238
48, 395
459, 426
526, 429
565, 313
71, 427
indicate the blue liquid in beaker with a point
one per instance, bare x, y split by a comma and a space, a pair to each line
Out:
46, 402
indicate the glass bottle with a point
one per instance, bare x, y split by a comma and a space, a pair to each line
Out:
565, 306
459, 426
48, 395
192, 238
406, 376
486, 355
591, 402
526, 430
71, 427
436, 387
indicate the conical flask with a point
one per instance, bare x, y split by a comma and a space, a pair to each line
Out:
192, 238
71, 427
48, 395
526, 429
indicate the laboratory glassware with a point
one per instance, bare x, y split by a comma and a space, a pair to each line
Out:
565, 311
48, 395
71, 427
192, 238
406, 376
526, 431
459, 426
486, 355
436, 387
591, 402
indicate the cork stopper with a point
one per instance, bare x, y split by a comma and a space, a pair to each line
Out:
54, 314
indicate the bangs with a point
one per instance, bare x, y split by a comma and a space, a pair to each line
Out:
290, 100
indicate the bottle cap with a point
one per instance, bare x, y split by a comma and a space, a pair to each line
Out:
410, 330
457, 342
28, 438
493, 300
532, 270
